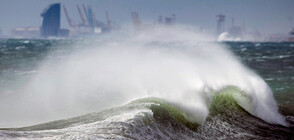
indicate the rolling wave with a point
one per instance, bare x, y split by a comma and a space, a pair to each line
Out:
176, 86
154, 118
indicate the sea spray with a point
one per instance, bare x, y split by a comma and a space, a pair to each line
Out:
175, 64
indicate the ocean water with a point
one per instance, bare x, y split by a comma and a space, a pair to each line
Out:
163, 84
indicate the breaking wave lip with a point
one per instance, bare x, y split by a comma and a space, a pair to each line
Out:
173, 64
148, 118
221, 99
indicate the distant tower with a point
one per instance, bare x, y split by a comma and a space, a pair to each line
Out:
173, 18
233, 22
51, 20
292, 32
220, 24
136, 20
168, 20
244, 27
159, 19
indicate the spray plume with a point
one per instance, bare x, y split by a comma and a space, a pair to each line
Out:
175, 64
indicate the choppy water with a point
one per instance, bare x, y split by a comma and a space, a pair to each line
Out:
231, 111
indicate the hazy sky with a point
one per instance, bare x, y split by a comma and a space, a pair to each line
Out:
266, 16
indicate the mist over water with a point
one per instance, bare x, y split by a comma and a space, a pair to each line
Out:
175, 64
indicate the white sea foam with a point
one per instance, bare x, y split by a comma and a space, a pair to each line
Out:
175, 64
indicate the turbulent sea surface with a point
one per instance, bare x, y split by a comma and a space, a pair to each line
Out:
138, 88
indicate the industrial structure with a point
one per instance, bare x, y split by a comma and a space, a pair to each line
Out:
167, 20
160, 21
233, 32
26, 32
51, 24
290, 37
89, 24
220, 28
292, 32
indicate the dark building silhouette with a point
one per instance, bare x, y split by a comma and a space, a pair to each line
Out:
51, 20
220, 24
159, 19
167, 20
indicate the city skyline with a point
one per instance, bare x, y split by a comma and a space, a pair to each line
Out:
268, 17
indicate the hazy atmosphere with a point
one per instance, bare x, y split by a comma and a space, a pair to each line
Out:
147, 69
265, 16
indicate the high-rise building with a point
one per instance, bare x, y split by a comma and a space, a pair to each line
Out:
220, 24
51, 20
